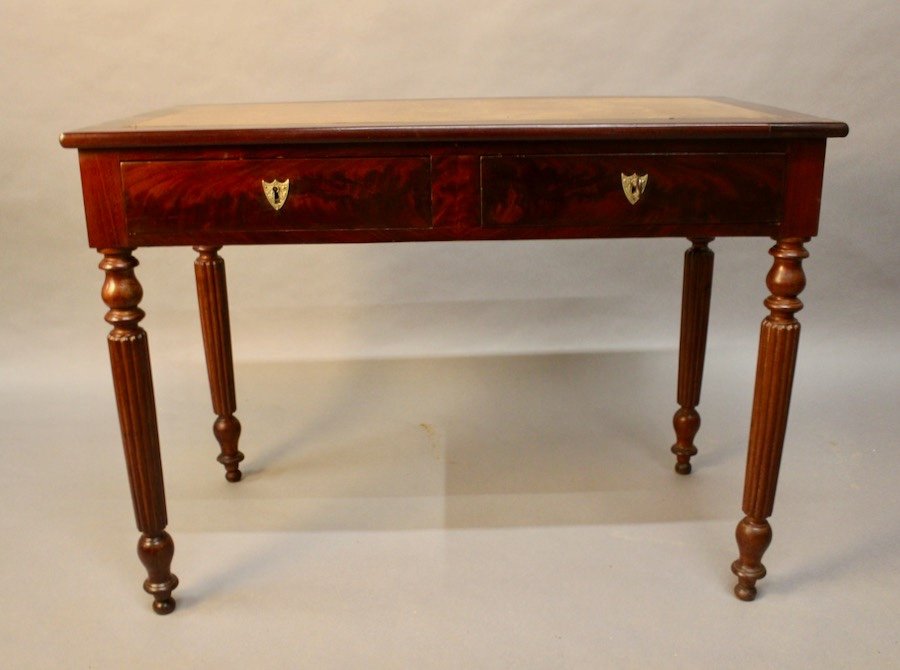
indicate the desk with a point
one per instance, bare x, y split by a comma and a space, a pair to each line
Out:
490, 169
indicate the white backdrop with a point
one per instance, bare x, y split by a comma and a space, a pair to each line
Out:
69, 64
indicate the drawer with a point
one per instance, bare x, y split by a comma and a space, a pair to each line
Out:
164, 197
682, 189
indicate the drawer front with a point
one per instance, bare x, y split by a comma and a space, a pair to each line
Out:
165, 197
588, 190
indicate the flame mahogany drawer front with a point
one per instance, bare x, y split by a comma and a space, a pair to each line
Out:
588, 190
510, 195
322, 194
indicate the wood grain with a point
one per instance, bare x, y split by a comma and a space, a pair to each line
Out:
129, 357
450, 209
778, 340
696, 293
212, 298
325, 193
489, 169
586, 190
453, 120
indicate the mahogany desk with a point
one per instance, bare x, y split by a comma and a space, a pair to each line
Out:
403, 171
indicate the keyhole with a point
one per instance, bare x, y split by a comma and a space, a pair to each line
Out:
275, 194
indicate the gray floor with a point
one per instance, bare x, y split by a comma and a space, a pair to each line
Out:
484, 512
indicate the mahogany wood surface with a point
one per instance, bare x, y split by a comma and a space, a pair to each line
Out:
186, 196
778, 340
683, 189
386, 192
212, 298
453, 120
696, 294
129, 357
431, 170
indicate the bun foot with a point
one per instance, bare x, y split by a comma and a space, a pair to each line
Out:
163, 602
745, 593
232, 459
166, 606
745, 589
683, 468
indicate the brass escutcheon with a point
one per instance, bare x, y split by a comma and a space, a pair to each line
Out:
634, 186
276, 192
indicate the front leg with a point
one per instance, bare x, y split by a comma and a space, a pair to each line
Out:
129, 357
779, 336
212, 296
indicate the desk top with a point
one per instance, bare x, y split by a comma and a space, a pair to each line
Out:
453, 120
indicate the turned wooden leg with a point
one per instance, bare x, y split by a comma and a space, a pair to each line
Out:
779, 335
696, 292
130, 360
212, 297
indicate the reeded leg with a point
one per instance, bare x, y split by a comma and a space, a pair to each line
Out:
696, 292
779, 335
130, 360
212, 297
